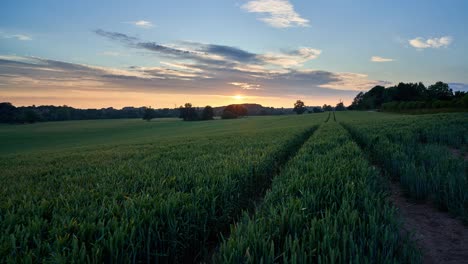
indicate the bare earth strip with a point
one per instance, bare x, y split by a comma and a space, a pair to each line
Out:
441, 238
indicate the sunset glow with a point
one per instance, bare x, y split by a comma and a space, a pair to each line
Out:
148, 55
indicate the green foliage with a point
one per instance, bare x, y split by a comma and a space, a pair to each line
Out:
440, 91
408, 96
326, 206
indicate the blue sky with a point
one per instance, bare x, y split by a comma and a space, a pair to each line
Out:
161, 53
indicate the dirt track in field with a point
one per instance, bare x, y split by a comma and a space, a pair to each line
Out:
441, 238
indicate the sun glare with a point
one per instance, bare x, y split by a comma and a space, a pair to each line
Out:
238, 97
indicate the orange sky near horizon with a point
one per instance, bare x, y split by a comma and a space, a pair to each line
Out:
119, 99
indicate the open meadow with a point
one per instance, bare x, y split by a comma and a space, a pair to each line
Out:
292, 189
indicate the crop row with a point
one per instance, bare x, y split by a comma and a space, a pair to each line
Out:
327, 206
416, 154
166, 202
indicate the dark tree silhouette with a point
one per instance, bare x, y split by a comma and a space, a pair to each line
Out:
207, 113
30, 116
234, 111
340, 107
317, 110
326, 107
7, 113
299, 107
440, 91
149, 114
188, 113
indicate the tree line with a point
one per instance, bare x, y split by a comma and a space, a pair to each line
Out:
300, 108
31, 114
406, 96
190, 113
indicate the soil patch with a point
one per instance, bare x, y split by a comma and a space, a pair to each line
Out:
441, 238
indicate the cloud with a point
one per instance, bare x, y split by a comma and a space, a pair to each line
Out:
422, 43
291, 58
187, 68
116, 36
459, 87
277, 13
21, 37
246, 86
142, 24
216, 55
229, 52
178, 77
353, 81
380, 59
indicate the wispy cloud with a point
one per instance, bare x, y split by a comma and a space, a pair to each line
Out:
353, 81
421, 43
246, 86
141, 23
21, 37
116, 36
217, 54
177, 77
291, 58
277, 13
380, 59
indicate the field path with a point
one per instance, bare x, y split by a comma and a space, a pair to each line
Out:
441, 238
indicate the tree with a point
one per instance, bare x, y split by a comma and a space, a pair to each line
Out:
188, 113
465, 100
440, 91
317, 110
326, 107
30, 116
234, 111
228, 115
340, 107
299, 107
148, 114
8, 113
207, 113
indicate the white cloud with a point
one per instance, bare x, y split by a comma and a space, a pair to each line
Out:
422, 43
142, 24
294, 58
18, 37
246, 86
279, 13
352, 82
380, 59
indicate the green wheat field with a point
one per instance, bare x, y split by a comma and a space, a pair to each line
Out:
290, 189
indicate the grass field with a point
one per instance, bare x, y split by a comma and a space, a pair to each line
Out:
257, 189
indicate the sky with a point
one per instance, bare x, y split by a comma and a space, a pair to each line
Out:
93, 54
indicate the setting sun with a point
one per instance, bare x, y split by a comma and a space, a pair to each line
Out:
238, 97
